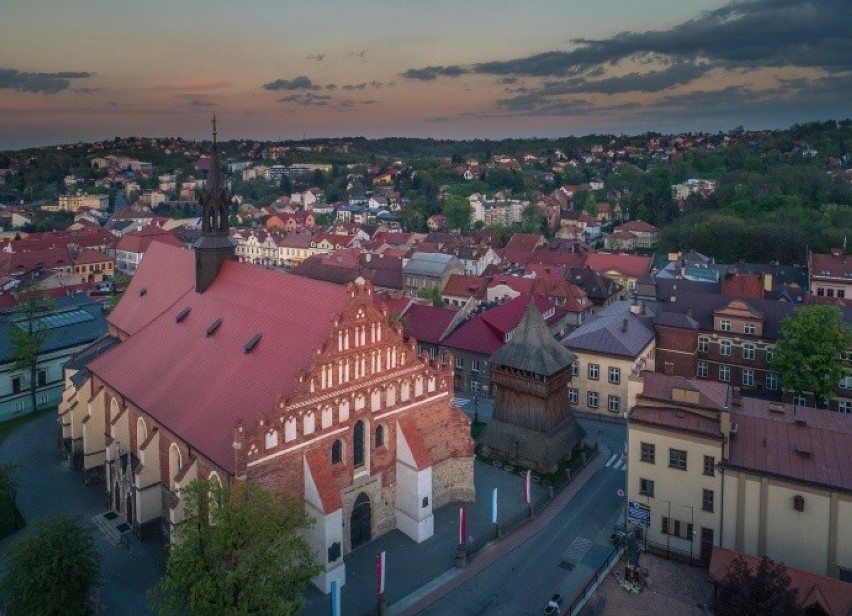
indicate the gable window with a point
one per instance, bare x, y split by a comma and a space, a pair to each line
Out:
592, 399
594, 372
573, 395
614, 375
725, 325
748, 377
724, 373
703, 344
724, 347
701, 372
677, 459
337, 452
358, 445
648, 453
749, 328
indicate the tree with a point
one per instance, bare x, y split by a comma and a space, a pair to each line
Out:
8, 491
238, 551
458, 211
51, 572
807, 356
765, 591
433, 294
28, 333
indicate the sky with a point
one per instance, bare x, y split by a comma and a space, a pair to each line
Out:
85, 70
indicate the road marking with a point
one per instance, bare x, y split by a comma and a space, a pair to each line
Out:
611, 460
577, 550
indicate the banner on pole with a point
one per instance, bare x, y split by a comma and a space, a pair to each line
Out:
335, 598
638, 514
528, 487
380, 573
462, 525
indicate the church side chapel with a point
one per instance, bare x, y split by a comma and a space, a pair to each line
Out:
230, 372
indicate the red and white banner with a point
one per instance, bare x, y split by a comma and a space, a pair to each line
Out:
528, 487
462, 525
380, 573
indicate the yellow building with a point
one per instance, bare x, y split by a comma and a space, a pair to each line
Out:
612, 349
714, 468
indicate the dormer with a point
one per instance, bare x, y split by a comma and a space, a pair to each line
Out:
738, 318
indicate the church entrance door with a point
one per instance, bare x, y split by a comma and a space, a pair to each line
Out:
361, 523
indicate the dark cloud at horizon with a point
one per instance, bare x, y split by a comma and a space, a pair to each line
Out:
303, 82
430, 73
45, 83
306, 99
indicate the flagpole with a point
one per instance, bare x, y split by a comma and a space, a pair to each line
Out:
380, 583
335, 598
461, 551
494, 513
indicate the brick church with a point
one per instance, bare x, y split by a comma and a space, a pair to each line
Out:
230, 372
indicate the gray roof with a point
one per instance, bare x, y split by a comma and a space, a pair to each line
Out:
533, 348
77, 320
606, 331
427, 264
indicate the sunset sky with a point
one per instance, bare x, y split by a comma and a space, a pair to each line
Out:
90, 69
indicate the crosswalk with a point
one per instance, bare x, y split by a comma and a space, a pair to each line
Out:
618, 462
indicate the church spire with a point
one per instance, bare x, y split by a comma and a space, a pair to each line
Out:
214, 245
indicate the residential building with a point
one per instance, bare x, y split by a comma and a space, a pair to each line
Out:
830, 275
625, 270
719, 469
76, 322
429, 270
72, 203
132, 246
612, 348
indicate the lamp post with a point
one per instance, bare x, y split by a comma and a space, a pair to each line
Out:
691, 529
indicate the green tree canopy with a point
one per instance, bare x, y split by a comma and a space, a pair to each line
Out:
28, 333
807, 356
239, 551
51, 572
765, 591
433, 294
457, 211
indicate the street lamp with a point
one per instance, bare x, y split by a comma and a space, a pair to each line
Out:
691, 529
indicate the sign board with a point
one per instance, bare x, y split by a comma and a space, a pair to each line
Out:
638, 514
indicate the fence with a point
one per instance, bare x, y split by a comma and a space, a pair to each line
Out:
592, 583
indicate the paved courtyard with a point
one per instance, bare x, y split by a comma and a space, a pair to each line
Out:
49, 487
676, 588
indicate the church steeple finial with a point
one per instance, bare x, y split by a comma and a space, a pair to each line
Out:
214, 245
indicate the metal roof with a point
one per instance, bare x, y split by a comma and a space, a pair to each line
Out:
533, 348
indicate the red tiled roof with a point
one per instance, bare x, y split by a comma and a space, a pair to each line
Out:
742, 285
168, 274
199, 386
415, 443
813, 446
516, 283
428, 323
460, 285
317, 459
833, 596
486, 332
638, 226
678, 420
139, 241
836, 264
629, 265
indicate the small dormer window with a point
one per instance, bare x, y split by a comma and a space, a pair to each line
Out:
749, 328
725, 325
